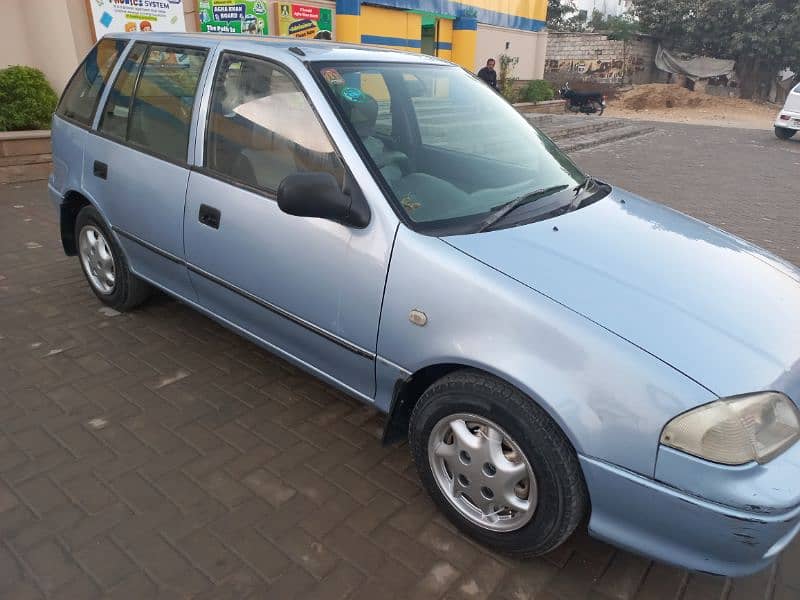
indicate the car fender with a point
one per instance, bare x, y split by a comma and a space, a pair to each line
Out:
610, 397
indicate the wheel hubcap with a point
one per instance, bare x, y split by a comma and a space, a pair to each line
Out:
482, 472
98, 262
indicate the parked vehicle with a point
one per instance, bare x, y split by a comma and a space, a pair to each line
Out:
788, 122
582, 102
553, 347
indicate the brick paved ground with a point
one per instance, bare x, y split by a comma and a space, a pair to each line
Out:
154, 454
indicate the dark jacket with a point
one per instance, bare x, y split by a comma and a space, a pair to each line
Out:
489, 76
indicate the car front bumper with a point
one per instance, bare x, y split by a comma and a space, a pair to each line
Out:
670, 525
792, 123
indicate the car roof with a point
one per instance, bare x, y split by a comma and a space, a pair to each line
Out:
313, 50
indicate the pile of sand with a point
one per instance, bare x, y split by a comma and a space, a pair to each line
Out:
672, 103
664, 95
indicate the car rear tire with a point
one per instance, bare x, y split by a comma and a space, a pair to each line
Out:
104, 265
496, 464
783, 133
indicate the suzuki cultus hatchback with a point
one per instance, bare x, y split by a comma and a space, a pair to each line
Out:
554, 348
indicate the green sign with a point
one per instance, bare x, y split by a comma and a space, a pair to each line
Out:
234, 16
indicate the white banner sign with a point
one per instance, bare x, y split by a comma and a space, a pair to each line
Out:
113, 16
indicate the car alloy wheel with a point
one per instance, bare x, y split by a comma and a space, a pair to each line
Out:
482, 472
97, 259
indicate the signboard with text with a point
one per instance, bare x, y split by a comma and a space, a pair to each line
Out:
115, 16
303, 21
234, 16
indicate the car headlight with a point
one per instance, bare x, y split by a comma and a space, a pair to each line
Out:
738, 430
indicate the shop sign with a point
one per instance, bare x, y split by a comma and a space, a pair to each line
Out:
234, 16
303, 21
115, 16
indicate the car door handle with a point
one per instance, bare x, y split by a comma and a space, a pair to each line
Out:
100, 169
209, 216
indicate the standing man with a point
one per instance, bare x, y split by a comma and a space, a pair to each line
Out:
488, 74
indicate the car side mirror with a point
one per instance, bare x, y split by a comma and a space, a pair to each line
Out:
319, 195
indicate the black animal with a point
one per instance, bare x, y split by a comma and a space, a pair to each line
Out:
582, 102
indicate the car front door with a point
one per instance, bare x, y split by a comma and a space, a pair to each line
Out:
308, 288
136, 160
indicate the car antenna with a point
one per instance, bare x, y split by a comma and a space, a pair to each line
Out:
297, 51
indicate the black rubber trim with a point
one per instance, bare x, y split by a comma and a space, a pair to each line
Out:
332, 337
148, 245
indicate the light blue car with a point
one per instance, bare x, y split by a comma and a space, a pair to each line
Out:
557, 350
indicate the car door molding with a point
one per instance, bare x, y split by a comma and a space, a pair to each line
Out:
332, 337
152, 247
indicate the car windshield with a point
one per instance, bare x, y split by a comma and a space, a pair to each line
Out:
450, 149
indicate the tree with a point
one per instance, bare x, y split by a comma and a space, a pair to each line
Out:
598, 21
760, 35
623, 28
670, 20
562, 15
558, 12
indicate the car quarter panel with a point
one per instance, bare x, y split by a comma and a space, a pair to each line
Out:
67, 148
611, 398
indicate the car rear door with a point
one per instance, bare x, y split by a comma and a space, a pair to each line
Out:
136, 159
309, 288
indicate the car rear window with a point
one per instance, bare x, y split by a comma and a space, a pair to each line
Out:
83, 91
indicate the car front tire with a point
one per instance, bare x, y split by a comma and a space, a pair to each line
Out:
497, 465
104, 265
782, 133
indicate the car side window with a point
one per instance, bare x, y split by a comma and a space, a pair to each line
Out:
152, 100
83, 91
262, 128
114, 120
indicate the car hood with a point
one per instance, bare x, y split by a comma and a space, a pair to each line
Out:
718, 309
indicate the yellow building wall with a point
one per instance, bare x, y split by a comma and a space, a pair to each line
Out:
444, 38
390, 28
464, 43
530, 9
348, 28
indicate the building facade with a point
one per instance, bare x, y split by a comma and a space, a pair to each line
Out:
54, 35
468, 33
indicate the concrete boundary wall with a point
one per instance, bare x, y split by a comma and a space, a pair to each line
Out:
592, 57
529, 46
24, 155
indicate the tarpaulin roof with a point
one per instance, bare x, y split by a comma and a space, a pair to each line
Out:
697, 67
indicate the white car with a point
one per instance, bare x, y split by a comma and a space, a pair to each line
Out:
788, 121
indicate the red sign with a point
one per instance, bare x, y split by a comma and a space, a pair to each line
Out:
305, 12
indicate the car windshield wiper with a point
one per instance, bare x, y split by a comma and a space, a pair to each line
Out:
508, 207
590, 183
